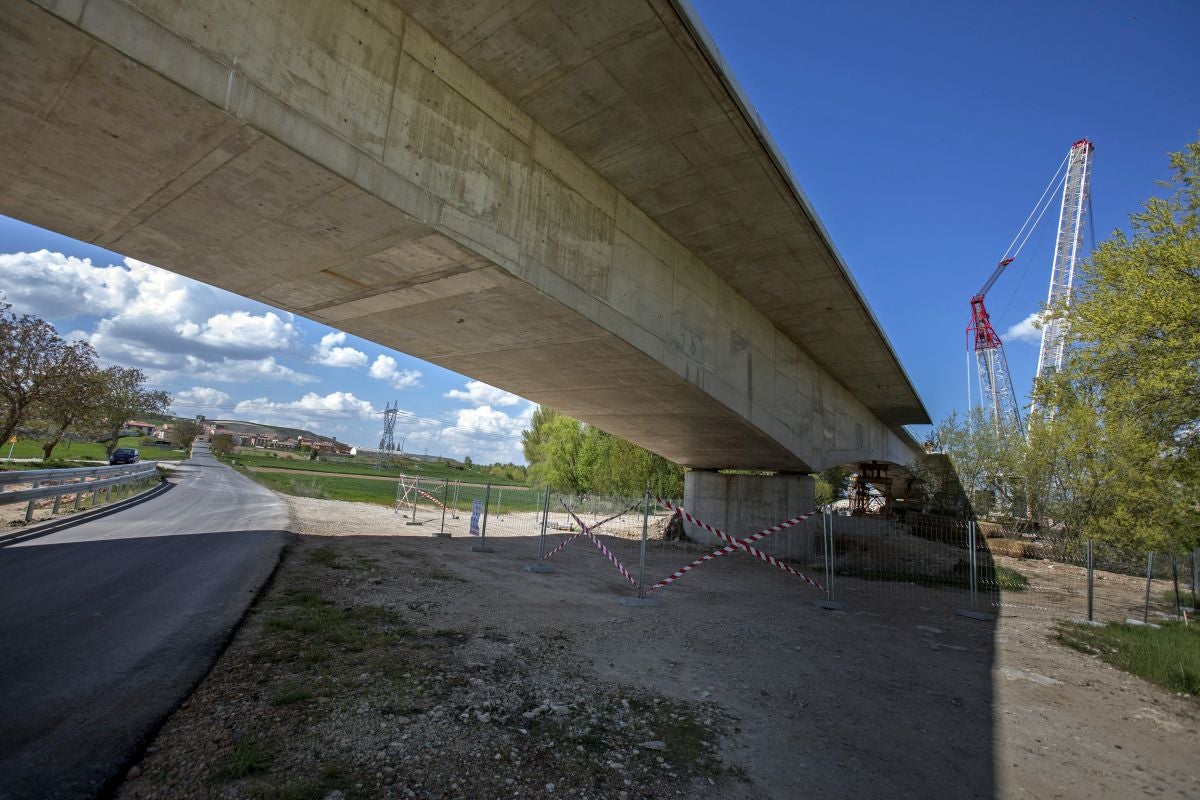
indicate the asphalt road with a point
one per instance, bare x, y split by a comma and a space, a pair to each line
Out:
105, 627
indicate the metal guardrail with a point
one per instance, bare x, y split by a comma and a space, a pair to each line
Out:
58, 483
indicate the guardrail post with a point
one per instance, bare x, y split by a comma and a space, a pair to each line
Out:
29, 508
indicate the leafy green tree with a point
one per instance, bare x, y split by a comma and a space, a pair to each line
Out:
831, 485
123, 397
36, 367
184, 432
533, 437
571, 457
221, 444
560, 468
75, 406
1115, 450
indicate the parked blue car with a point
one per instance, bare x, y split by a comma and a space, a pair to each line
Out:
124, 455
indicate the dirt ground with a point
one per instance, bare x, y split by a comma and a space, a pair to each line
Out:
521, 684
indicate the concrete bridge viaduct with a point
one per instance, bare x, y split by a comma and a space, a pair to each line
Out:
568, 199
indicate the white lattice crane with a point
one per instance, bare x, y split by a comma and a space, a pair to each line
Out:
996, 392
1076, 199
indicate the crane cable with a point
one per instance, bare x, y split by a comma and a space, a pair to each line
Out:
1043, 203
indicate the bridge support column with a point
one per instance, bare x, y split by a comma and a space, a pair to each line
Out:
743, 504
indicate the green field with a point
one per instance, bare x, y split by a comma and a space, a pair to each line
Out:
1167, 655
365, 466
368, 490
82, 451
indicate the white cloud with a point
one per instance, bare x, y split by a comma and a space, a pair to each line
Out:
139, 315
54, 285
386, 369
329, 354
318, 413
1027, 330
232, 370
200, 400
481, 393
487, 434
202, 395
240, 330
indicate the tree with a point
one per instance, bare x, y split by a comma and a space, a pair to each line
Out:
184, 432
1115, 452
831, 485
1135, 320
36, 366
467, 462
571, 457
123, 397
221, 444
76, 403
533, 437
559, 468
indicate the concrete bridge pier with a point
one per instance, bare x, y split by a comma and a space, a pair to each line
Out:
743, 504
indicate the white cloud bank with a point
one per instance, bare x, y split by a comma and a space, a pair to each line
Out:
324, 414
385, 368
1027, 330
200, 398
330, 353
149, 318
481, 393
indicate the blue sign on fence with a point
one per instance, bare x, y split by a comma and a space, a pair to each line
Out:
476, 511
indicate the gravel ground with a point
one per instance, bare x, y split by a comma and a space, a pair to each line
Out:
380, 663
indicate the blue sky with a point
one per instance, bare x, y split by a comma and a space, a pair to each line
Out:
921, 132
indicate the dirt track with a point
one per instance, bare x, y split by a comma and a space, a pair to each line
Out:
895, 696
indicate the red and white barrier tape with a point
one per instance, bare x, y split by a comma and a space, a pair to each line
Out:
586, 531
585, 527
433, 499
735, 544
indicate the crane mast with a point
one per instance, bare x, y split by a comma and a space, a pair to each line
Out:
995, 385
1075, 198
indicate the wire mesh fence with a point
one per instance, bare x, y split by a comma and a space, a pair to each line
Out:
651, 547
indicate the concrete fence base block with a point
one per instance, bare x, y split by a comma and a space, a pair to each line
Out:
415, 523
1132, 621
1086, 621
640, 602
539, 568
483, 548
969, 614
830, 605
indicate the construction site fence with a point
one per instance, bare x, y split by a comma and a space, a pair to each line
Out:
958, 565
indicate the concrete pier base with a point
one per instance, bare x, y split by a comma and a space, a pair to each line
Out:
742, 504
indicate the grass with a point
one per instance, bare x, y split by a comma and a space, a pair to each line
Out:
355, 490
1168, 656
366, 490
79, 451
432, 470
1001, 578
247, 758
